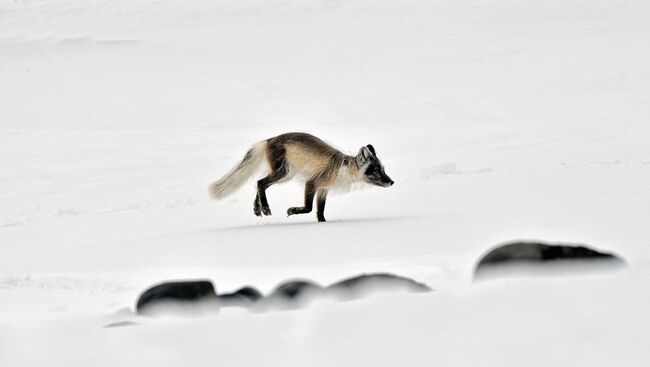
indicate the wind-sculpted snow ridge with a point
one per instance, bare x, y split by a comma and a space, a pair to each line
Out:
199, 296
450, 168
77, 283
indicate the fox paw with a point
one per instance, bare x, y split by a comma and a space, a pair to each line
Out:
266, 210
297, 210
257, 210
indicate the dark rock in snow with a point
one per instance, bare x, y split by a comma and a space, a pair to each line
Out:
192, 297
292, 294
176, 295
519, 258
365, 285
244, 297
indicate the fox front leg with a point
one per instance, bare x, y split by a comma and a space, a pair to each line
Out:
310, 191
321, 196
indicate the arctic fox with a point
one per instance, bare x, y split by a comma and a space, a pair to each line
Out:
306, 157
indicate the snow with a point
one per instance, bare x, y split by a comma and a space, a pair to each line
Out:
498, 121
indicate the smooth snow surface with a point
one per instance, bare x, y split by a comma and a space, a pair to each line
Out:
498, 120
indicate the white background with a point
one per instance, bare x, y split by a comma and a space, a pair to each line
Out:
498, 120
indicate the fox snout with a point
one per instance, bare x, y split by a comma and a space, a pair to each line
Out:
383, 181
386, 181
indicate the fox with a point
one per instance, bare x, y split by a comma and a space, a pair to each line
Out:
303, 157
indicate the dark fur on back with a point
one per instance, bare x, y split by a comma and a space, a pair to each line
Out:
308, 142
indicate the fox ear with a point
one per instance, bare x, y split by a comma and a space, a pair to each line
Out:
371, 148
363, 156
366, 152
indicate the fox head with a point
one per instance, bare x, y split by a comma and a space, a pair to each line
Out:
371, 169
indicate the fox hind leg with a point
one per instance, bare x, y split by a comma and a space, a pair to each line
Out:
257, 206
261, 203
278, 172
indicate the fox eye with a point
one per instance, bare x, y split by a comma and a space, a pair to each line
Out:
373, 170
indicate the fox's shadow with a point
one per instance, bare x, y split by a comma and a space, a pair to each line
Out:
333, 222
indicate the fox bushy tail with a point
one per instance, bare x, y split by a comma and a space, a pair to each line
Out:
241, 173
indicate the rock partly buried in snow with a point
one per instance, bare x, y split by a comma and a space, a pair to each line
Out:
365, 285
192, 297
292, 294
245, 297
535, 258
296, 294
178, 297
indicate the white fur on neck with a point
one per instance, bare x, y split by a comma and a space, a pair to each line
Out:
349, 178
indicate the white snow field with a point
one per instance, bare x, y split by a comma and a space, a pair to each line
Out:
499, 120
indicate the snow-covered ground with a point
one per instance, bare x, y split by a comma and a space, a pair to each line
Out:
498, 120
